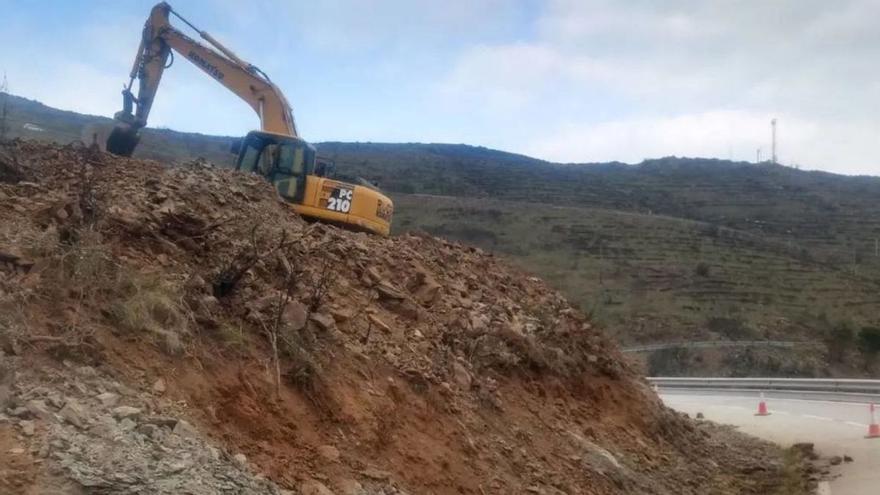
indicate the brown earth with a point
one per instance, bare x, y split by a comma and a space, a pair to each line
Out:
404, 365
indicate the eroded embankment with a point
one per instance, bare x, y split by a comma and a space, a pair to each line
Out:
242, 342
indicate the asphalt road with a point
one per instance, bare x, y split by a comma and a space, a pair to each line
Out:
835, 427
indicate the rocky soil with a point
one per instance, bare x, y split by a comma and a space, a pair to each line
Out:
183, 331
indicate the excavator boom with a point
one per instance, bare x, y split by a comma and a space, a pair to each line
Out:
245, 80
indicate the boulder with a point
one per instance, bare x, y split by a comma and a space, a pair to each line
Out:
341, 315
350, 487
313, 487
295, 315
376, 474
125, 412
27, 428
75, 413
38, 409
148, 430
427, 290
389, 292
108, 399
185, 429
325, 321
376, 321
461, 376
159, 386
329, 453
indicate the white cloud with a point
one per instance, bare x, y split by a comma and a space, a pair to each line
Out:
840, 147
362, 26
577, 80
606, 79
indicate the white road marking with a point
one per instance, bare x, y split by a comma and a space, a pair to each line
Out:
820, 418
853, 423
824, 488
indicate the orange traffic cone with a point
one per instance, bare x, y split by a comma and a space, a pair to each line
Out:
762, 407
873, 427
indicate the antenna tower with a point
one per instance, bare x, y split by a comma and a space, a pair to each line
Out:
773, 127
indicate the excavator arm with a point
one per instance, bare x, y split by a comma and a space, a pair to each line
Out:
158, 40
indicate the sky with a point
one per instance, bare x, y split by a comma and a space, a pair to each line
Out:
562, 80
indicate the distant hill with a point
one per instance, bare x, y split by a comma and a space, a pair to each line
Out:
669, 249
837, 217
26, 116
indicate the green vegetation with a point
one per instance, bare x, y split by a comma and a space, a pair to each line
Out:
839, 340
636, 273
869, 340
670, 249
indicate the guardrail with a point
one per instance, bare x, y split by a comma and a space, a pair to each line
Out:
817, 385
708, 344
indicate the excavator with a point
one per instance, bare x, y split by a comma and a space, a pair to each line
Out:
276, 151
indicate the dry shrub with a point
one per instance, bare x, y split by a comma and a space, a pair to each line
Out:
386, 425
11, 329
39, 244
81, 269
147, 304
231, 336
305, 373
84, 269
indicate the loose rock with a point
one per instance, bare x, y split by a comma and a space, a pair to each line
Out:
27, 428
75, 414
328, 453
184, 429
312, 487
108, 399
39, 409
159, 386
123, 412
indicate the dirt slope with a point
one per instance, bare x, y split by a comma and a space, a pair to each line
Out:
182, 330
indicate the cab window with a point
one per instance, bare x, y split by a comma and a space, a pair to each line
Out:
249, 157
291, 160
268, 159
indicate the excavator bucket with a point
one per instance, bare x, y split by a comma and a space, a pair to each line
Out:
123, 140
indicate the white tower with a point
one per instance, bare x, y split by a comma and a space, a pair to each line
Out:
773, 127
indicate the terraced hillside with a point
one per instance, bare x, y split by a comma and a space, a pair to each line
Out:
669, 249
653, 278
835, 217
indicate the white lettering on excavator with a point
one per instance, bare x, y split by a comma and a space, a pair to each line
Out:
340, 200
204, 64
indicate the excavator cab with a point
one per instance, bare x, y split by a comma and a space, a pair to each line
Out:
285, 161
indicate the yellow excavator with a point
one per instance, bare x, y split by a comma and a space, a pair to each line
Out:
275, 151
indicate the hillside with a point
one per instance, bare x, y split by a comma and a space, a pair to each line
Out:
154, 343
32, 120
666, 250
